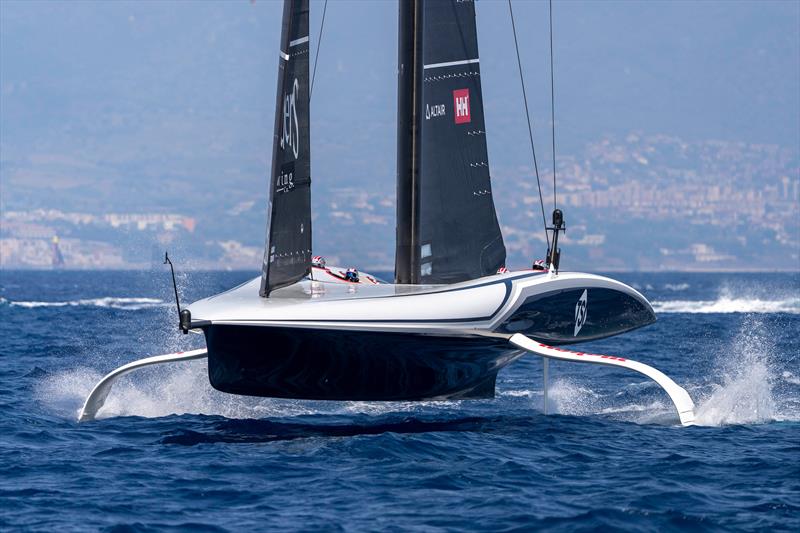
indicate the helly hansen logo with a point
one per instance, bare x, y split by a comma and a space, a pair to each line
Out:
461, 106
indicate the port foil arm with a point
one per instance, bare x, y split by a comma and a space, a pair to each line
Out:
683, 402
100, 391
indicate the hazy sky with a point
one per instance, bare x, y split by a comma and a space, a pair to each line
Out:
107, 91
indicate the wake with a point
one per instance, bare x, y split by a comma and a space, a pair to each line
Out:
183, 389
745, 392
745, 387
175, 389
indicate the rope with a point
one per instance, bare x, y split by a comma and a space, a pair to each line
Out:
553, 107
316, 54
530, 128
314, 75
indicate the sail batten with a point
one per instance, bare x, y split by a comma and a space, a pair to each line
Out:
452, 63
287, 253
447, 219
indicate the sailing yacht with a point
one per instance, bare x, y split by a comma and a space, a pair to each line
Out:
454, 316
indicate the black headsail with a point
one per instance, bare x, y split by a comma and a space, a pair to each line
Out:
287, 255
447, 229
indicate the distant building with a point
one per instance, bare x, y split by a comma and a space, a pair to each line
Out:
58, 257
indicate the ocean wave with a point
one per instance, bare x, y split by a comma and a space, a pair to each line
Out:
676, 287
636, 408
788, 377
726, 304
519, 393
110, 302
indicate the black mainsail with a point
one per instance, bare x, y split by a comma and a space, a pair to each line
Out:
447, 229
287, 254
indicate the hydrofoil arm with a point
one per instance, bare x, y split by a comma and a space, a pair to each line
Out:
100, 392
683, 402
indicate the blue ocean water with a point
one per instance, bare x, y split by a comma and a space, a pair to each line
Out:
172, 453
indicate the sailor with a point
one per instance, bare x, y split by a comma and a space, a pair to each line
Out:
502, 270
318, 261
351, 275
539, 264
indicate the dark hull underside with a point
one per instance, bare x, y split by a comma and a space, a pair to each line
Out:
319, 364
331, 364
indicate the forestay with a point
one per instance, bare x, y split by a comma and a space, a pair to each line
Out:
287, 253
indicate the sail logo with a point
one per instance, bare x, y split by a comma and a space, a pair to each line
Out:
461, 106
433, 111
285, 181
290, 136
580, 313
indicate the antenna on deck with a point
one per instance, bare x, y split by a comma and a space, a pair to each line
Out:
554, 253
184, 317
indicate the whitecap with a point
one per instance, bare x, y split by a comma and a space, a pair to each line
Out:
520, 393
788, 377
677, 287
33, 305
726, 304
111, 302
636, 408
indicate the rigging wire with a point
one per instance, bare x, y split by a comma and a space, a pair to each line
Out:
314, 75
316, 54
553, 107
530, 128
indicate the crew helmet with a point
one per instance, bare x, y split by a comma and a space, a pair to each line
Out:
351, 275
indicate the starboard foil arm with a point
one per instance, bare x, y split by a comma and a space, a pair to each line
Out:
683, 402
99, 393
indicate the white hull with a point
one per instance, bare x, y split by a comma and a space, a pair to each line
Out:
478, 306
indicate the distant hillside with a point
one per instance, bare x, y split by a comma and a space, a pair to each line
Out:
166, 109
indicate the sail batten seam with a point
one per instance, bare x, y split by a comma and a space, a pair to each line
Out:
451, 63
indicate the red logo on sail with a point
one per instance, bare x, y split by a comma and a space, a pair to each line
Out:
461, 106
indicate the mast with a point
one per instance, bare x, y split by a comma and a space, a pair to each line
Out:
287, 252
409, 65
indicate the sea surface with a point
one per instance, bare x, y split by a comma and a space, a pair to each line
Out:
171, 453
